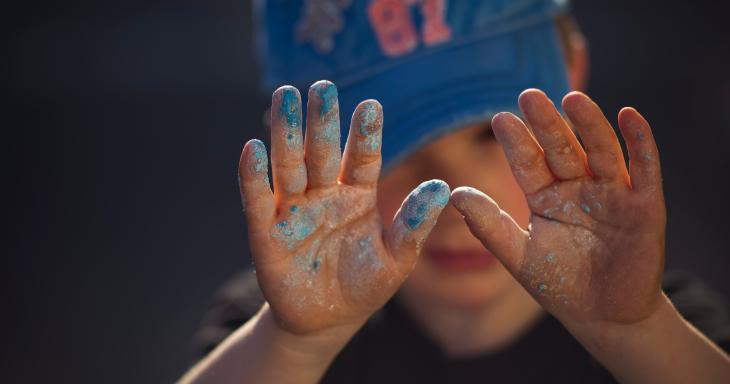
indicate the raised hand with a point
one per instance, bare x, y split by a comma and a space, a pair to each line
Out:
594, 250
322, 257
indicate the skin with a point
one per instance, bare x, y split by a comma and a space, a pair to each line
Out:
578, 234
322, 256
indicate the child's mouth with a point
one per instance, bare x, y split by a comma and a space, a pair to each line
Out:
460, 260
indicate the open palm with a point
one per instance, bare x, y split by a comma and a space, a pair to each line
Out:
322, 257
594, 250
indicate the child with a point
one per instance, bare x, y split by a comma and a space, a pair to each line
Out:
579, 236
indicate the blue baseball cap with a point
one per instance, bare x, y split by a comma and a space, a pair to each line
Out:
434, 65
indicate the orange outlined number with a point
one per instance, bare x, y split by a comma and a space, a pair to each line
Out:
393, 26
395, 31
435, 29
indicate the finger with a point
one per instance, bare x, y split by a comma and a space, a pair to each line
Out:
563, 152
253, 179
414, 221
524, 155
287, 154
361, 159
494, 227
644, 167
322, 139
605, 158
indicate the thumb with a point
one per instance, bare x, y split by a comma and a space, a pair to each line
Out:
414, 221
494, 227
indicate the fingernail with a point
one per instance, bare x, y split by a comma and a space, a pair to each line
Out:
428, 196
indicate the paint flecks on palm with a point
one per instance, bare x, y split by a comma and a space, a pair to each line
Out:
420, 204
363, 267
297, 227
550, 257
305, 274
367, 257
585, 207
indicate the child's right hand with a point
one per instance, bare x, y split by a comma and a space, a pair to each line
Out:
322, 257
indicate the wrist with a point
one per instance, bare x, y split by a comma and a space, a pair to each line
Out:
262, 352
601, 337
662, 348
318, 347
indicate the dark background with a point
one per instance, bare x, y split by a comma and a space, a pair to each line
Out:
125, 123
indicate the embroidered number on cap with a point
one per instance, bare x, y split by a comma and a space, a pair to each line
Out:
395, 31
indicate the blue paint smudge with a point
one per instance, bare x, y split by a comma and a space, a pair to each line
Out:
542, 287
585, 208
429, 195
640, 136
550, 257
327, 92
290, 108
297, 228
293, 209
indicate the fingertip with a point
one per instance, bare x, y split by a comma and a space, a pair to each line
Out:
464, 198
321, 85
531, 97
326, 93
289, 103
579, 107
460, 194
503, 121
284, 89
573, 99
254, 157
425, 202
367, 124
630, 116
531, 92
369, 116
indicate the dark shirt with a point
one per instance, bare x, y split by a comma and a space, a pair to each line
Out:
390, 347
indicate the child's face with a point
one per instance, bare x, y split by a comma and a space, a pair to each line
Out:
455, 269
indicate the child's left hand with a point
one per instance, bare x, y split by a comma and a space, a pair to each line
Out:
594, 251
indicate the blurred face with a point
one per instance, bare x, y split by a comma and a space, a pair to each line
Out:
455, 269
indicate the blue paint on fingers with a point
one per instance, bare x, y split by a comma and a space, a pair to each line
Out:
430, 195
327, 93
290, 108
261, 160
